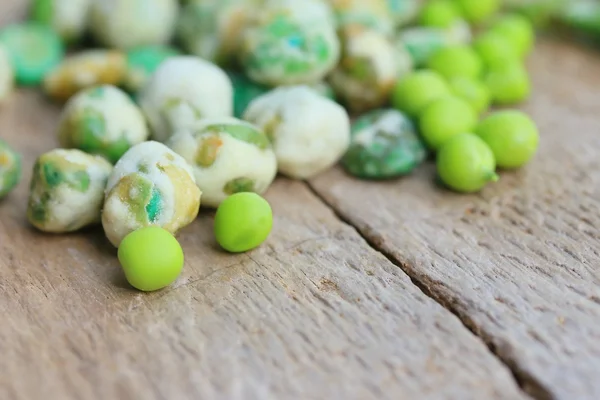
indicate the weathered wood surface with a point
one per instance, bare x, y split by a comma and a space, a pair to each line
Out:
313, 314
520, 262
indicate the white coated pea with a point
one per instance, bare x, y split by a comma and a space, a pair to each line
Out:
309, 132
228, 156
124, 24
183, 90
67, 190
150, 185
102, 120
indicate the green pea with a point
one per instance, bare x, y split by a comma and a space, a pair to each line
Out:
517, 30
151, 258
494, 48
478, 11
445, 118
243, 222
34, 49
439, 14
508, 83
416, 90
457, 60
10, 168
512, 136
472, 91
466, 164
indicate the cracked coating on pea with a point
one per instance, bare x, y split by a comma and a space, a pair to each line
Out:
228, 156
102, 120
384, 145
150, 185
290, 43
67, 190
283, 114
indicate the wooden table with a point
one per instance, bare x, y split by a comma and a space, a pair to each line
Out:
395, 290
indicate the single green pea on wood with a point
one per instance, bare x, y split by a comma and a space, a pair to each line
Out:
384, 144
243, 222
10, 168
151, 258
466, 164
34, 49
512, 136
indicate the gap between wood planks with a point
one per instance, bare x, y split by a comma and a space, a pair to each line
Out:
529, 384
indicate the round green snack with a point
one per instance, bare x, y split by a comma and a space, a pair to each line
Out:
124, 24
384, 145
512, 136
365, 76
519, 31
150, 186
142, 62
10, 168
495, 49
290, 42
508, 83
7, 76
102, 120
445, 118
151, 258
243, 222
67, 190
415, 91
213, 29
67, 17
183, 90
439, 14
472, 91
227, 156
456, 60
33, 49
302, 153
466, 164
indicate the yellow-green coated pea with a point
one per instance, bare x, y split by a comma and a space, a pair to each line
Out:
151, 258
243, 221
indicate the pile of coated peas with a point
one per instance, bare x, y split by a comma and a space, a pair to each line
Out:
171, 105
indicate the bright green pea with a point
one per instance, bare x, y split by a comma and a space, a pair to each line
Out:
243, 222
439, 14
494, 48
151, 258
508, 83
478, 11
416, 90
466, 164
517, 30
456, 60
512, 135
445, 118
472, 91
33, 48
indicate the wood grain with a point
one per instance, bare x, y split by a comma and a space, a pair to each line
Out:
315, 313
518, 263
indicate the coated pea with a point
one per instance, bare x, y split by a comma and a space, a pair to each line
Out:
243, 222
151, 258
10, 168
465, 163
512, 135
445, 118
